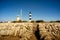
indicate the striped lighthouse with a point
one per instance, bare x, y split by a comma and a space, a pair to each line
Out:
30, 16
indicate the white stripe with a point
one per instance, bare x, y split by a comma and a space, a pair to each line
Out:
30, 14
30, 17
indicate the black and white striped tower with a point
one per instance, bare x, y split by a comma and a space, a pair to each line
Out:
30, 16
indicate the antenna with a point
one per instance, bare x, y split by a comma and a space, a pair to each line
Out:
21, 14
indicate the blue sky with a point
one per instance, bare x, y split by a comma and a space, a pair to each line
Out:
41, 9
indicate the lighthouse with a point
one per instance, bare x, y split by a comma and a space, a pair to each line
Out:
30, 16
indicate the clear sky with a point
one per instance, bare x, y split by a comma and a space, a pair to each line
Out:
41, 9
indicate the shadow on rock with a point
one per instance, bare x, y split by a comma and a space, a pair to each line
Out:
37, 33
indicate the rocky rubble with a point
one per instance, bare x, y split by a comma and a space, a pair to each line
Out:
47, 31
23, 30
50, 31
